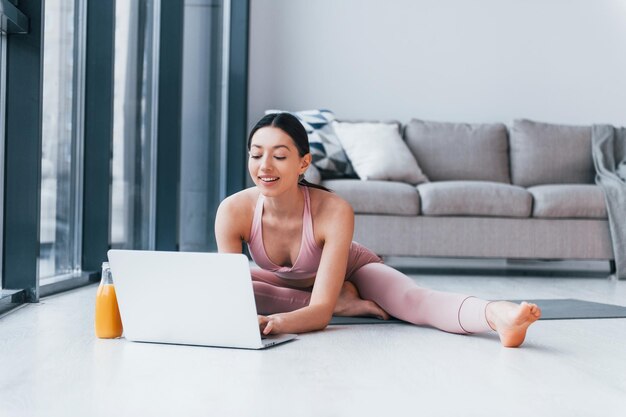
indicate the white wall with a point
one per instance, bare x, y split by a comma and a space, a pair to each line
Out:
449, 60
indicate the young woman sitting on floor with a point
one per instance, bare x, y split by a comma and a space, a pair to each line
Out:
300, 236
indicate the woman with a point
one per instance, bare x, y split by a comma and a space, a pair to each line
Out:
300, 235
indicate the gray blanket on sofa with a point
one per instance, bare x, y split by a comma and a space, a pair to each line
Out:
609, 157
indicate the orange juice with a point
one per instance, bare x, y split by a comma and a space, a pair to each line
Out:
108, 320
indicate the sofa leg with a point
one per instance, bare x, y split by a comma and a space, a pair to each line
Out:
612, 266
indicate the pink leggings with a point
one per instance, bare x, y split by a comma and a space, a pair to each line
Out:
395, 292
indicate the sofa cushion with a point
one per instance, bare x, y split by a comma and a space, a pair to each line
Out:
377, 197
568, 201
460, 151
377, 152
474, 198
544, 153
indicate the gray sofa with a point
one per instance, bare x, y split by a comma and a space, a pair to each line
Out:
492, 192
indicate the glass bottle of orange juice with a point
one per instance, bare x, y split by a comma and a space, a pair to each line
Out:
108, 320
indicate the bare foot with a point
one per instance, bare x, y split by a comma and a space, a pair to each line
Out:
350, 304
511, 320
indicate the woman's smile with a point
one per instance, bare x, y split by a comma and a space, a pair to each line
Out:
268, 180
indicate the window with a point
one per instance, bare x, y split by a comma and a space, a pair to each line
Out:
204, 84
134, 125
55, 214
61, 163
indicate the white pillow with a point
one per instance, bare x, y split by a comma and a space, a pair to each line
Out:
377, 152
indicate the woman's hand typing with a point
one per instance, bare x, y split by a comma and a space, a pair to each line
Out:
270, 324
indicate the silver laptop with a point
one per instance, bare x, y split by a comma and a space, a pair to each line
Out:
188, 298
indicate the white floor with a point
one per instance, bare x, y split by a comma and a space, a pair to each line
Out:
51, 364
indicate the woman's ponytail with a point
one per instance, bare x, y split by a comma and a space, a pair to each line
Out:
305, 183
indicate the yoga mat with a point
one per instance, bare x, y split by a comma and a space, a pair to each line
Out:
561, 309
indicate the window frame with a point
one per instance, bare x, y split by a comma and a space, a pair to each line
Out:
168, 135
12, 22
3, 86
22, 193
98, 128
237, 111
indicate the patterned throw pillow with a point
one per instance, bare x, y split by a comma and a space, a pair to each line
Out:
328, 154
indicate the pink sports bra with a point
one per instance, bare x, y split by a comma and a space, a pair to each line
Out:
308, 259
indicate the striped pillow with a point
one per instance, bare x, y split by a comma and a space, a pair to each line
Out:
328, 155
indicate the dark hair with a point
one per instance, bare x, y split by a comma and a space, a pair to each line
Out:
289, 124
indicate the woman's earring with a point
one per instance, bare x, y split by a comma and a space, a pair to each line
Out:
300, 177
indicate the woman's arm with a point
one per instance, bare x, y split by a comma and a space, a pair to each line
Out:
228, 224
336, 227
